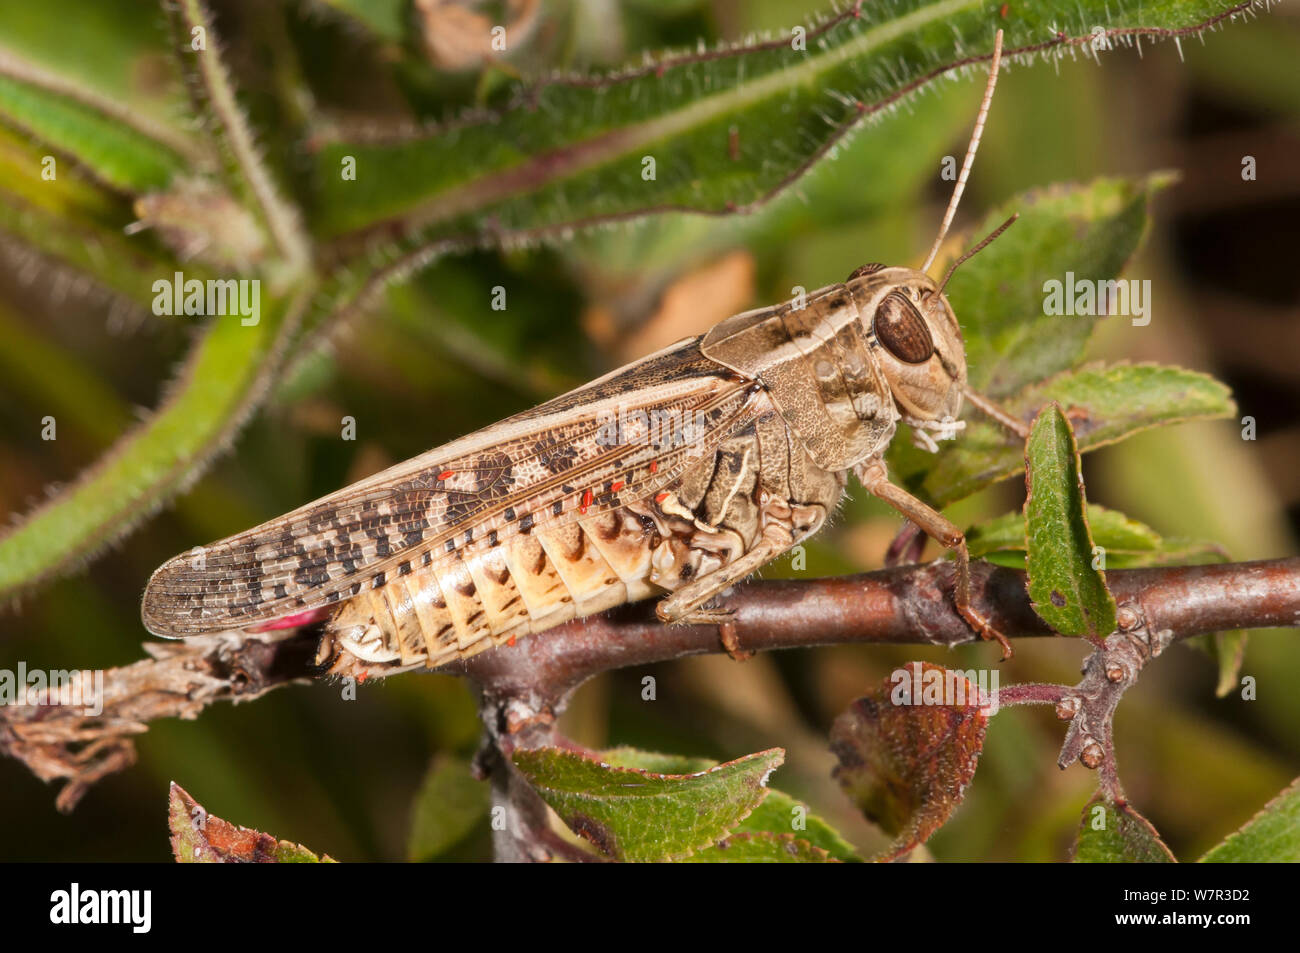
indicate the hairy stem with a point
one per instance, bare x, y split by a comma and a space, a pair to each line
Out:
211, 86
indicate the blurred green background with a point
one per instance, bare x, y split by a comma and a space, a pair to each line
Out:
435, 362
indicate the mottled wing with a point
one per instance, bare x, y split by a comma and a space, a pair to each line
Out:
618, 439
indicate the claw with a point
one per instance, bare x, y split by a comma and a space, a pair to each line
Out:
724, 619
731, 642
986, 631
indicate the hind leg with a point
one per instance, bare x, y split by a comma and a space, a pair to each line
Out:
687, 603
783, 524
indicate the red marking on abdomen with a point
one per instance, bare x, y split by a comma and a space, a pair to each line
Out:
293, 621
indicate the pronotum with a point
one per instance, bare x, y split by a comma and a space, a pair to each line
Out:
558, 513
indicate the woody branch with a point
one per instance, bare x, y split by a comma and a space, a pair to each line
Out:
522, 691
523, 687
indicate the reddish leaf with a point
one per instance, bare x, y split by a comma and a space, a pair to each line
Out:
908, 751
199, 838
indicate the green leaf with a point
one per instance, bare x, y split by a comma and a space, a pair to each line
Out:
635, 815
907, 752
1111, 833
779, 814
1128, 545
1106, 403
197, 837
725, 128
1087, 231
655, 762
1271, 836
761, 848
107, 46
1068, 593
221, 382
782, 817
114, 145
449, 807
1122, 538
75, 222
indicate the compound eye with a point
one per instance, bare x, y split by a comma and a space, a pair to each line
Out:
900, 327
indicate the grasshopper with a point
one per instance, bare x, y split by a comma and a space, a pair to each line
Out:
589, 501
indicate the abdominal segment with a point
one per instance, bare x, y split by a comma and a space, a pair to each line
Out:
465, 602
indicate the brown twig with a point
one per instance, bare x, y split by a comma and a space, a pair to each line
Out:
522, 688
179, 681
905, 605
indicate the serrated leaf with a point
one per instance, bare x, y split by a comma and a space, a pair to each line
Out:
907, 751
761, 848
223, 378
449, 806
198, 837
654, 761
1067, 592
1271, 836
1106, 403
1087, 232
725, 128
1111, 833
634, 815
778, 814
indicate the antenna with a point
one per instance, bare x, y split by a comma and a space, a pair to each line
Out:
988, 240
970, 153
1016, 426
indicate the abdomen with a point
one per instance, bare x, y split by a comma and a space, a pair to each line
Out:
454, 607
464, 602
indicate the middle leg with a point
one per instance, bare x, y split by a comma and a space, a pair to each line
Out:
875, 479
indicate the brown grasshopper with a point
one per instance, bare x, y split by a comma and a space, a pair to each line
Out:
679, 474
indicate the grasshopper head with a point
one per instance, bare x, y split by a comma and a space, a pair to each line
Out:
920, 348
912, 330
